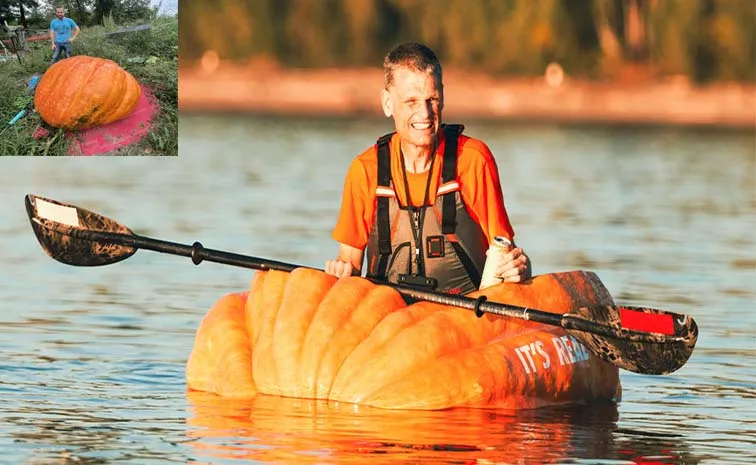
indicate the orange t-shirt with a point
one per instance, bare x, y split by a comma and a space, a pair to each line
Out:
478, 178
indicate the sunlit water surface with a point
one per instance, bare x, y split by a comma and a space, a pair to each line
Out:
92, 367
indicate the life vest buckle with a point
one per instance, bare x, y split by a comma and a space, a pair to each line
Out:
422, 282
435, 246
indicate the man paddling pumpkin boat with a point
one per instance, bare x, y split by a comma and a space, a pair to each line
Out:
425, 201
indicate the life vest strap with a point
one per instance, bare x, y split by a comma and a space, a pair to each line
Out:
382, 212
449, 174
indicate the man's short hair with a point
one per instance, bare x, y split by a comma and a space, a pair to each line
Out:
414, 56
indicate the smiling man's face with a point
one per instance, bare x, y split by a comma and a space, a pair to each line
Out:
415, 101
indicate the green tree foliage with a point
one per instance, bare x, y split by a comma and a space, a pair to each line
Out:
103, 9
38, 13
17, 8
704, 39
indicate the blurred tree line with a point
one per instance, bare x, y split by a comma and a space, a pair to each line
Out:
37, 14
707, 40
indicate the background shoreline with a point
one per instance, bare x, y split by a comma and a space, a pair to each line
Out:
354, 92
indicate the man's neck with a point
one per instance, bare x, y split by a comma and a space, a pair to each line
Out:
417, 159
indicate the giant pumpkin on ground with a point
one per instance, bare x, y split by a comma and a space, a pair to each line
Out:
83, 91
305, 334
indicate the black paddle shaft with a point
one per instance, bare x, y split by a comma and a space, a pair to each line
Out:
198, 253
652, 342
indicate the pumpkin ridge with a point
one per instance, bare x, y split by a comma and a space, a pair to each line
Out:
58, 80
81, 90
42, 93
323, 298
339, 302
132, 93
50, 93
342, 324
73, 100
216, 364
476, 385
377, 303
119, 87
102, 112
440, 321
268, 302
250, 317
350, 381
110, 110
124, 102
304, 287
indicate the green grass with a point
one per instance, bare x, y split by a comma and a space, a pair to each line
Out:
150, 56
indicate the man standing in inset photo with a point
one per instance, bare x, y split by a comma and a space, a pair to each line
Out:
63, 31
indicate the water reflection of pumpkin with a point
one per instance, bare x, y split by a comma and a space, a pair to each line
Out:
307, 335
285, 430
269, 428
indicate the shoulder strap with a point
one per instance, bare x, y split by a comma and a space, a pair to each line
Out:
449, 207
384, 160
382, 211
449, 173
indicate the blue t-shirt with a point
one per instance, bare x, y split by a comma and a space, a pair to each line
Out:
62, 28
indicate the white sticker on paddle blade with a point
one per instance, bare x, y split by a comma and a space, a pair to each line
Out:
58, 213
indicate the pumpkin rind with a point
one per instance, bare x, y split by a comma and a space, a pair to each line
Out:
310, 335
83, 91
223, 343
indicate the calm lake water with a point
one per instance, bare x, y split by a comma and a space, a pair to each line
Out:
92, 367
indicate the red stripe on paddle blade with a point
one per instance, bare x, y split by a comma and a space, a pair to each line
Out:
635, 320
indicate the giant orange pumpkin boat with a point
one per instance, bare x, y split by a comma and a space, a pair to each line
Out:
305, 334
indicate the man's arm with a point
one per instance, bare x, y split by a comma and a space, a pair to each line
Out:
351, 226
351, 255
515, 266
76, 31
348, 262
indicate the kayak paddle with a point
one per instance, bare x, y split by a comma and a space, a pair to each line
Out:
638, 339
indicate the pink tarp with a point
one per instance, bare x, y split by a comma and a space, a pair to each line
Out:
102, 140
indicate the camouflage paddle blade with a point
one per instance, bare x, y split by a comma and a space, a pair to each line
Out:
644, 340
62, 230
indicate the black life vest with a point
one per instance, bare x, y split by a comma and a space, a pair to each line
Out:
453, 247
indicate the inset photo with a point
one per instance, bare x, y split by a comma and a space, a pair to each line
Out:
87, 78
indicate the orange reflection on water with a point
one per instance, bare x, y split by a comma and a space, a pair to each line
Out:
283, 430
